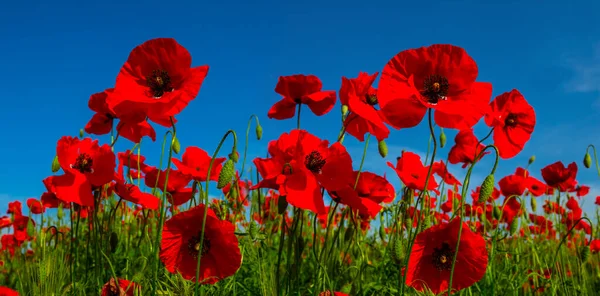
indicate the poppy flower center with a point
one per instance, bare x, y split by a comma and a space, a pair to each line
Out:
511, 120
314, 162
442, 257
435, 88
287, 169
371, 99
194, 246
159, 82
83, 163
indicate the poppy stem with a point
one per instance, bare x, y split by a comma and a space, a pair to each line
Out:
402, 277
299, 109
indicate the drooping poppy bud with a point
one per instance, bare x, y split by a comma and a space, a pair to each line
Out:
514, 226
227, 173
175, 145
442, 138
259, 132
533, 204
587, 160
531, 159
487, 188
55, 164
397, 250
383, 149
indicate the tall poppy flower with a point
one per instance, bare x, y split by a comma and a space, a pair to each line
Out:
513, 120
195, 162
35, 206
15, 208
440, 77
434, 251
121, 287
301, 89
558, 176
361, 99
301, 165
465, 150
6, 291
177, 191
219, 251
86, 165
413, 173
157, 79
371, 191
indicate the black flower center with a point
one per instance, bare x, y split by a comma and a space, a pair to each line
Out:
314, 162
442, 258
194, 245
371, 99
159, 83
435, 88
83, 163
511, 120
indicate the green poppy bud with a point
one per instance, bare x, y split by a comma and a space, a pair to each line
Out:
383, 149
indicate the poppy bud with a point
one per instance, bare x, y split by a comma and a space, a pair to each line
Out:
442, 139
584, 253
531, 159
514, 226
587, 160
234, 155
253, 230
55, 164
30, 228
81, 133
344, 110
281, 204
383, 149
113, 241
59, 212
397, 250
533, 204
487, 188
175, 145
348, 234
426, 223
382, 232
259, 132
496, 213
226, 174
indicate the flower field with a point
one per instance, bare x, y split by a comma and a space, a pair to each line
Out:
307, 218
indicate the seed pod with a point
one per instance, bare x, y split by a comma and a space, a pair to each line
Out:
55, 164
587, 160
487, 188
226, 174
383, 149
281, 204
113, 241
175, 145
253, 230
382, 233
533, 204
442, 139
496, 213
344, 110
531, 159
397, 250
259, 132
30, 228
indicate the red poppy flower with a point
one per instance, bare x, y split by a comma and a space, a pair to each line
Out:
86, 166
5, 222
301, 89
439, 76
412, 172
581, 191
14, 208
177, 191
124, 288
513, 120
131, 160
49, 199
158, 80
195, 163
465, 150
448, 206
6, 291
20, 228
595, 246
328, 293
371, 191
220, 253
300, 165
434, 251
361, 99
35, 206
558, 176
132, 193
511, 209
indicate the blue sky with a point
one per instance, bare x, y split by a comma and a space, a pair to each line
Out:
56, 54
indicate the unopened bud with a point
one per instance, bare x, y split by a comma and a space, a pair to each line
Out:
531, 159
175, 145
60, 213
234, 155
382, 232
397, 251
487, 188
533, 204
259, 132
226, 174
349, 233
30, 228
383, 149
253, 230
496, 213
514, 226
584, 253
81, 133
55, 164
344, 110
442, 139
587, 160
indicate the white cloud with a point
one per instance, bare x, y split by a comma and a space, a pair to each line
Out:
586, 73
